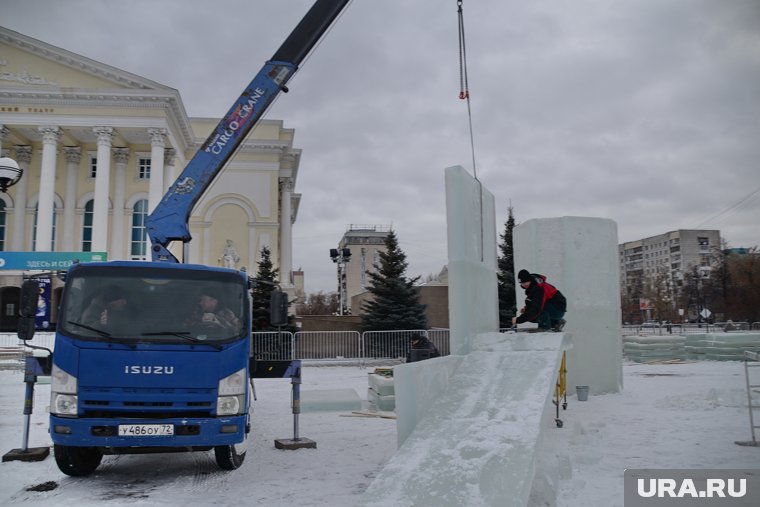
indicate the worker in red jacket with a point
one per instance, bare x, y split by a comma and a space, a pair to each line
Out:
544, 304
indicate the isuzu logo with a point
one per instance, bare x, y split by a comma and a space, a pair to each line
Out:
149, 370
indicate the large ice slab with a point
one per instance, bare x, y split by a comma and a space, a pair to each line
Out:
423, 383
580, 257
471, 236
477, 443
330, 399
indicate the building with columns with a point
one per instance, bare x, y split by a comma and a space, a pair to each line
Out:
99, 146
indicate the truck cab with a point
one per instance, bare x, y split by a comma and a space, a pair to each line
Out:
150, 357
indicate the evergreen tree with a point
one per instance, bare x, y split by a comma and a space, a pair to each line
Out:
395, 304
506, 274
266, 278
277, 346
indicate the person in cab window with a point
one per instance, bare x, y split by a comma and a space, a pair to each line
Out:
110, 310
209, 312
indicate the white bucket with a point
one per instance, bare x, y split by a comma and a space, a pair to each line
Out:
582, 392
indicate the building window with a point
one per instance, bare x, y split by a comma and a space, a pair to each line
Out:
143, 168
87, 226
34, 230
704, 243
364, 268
93, 166
2, 226
139, 245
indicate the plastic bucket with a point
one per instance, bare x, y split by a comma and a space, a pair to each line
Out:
582, 392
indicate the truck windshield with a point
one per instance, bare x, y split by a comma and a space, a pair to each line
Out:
153, 305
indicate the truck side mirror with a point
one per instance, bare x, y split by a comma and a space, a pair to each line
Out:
278, 308
30, 294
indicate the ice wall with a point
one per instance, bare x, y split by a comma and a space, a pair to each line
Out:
423, 383
579, 255
470, 424
477, 444
471, 227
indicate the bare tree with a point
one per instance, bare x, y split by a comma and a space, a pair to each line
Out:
319, 303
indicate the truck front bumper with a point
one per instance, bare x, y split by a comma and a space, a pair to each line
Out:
186, 432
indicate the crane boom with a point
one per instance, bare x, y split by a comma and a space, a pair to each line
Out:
168, 222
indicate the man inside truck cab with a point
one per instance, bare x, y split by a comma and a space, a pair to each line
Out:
209, 312
109, 310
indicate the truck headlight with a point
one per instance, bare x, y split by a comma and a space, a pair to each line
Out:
228, 405
231, 394
63, 392
63, 404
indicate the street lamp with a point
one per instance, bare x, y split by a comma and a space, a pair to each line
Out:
341, 256
10, 173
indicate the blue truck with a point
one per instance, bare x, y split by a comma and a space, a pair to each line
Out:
143, 362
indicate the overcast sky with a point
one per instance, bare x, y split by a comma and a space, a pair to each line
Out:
646, 112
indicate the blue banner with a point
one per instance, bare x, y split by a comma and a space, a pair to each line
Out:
42, 317
55, 261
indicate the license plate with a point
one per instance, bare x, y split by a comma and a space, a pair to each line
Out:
146, 430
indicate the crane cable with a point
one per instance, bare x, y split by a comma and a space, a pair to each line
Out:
464, 86
464, 94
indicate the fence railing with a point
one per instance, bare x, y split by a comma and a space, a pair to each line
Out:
716, 327
318, 345
339, 345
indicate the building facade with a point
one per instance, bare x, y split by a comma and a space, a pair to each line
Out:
666, 257
99, 147
364, 242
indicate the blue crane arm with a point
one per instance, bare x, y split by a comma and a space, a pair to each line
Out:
169, 220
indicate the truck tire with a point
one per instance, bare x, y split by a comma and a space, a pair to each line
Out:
77, 461
228, 457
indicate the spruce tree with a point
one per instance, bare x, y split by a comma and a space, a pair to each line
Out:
395, 302
266, 279
506, 274
275, 346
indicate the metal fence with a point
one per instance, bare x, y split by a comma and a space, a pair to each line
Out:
352, 345
338, 345
716, 327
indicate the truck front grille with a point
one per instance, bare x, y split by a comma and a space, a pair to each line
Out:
147, 403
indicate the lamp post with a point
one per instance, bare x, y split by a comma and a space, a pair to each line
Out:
341, 256
10, 173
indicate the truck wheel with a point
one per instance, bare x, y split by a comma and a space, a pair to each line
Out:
228, 457
77, 461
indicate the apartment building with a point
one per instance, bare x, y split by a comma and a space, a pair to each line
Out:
671, 254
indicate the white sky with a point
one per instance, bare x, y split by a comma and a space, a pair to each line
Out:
646, 112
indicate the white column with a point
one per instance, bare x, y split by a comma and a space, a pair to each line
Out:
102, 186
3, 134
170, 155
286, 231
156, 186
73, 156
24, 158
46, 202
120, 156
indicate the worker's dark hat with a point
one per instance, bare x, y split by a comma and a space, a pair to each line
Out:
212, 291
524, 276
113, 293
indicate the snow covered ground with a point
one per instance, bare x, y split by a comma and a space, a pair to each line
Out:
668, 416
